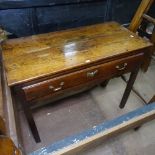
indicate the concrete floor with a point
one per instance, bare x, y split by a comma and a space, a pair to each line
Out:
83, 111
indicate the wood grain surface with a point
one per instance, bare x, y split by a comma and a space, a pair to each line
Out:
38, 56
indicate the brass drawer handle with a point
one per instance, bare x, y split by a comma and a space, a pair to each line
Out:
92, 74
121, 67
58, 88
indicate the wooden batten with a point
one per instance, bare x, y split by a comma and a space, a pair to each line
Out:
138, 17
84, 140
148, 18
9, 112
8, 134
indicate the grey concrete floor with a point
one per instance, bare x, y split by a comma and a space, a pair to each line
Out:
141, 142
83, 111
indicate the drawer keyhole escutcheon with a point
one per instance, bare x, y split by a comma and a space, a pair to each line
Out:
58, 88
92, 74
121, 67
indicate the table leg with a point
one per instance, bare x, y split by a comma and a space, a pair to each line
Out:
152, 100
129, 87
30, 119
104, 83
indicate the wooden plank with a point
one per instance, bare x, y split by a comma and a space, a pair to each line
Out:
137, 19
12, 122
7, 146
2, 123
152, 100
153, 37
9, 113
1, 98
76, 143
149, 18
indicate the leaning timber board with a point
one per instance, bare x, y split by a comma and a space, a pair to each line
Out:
81, 141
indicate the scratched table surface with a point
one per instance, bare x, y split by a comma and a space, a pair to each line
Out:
36, 56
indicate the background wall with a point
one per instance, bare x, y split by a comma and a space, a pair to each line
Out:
27, 17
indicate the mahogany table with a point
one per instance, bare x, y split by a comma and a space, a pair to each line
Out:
42, 67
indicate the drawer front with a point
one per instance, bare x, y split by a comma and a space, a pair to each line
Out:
104, 71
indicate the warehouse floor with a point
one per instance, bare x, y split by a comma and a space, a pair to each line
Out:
83, 111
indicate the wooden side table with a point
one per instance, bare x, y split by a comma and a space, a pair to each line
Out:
45, 66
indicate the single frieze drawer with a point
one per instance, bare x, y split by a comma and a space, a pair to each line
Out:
103, 71
51, 66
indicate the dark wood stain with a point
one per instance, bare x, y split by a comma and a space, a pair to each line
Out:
42, 55
50, 65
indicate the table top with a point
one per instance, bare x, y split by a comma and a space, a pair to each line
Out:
42, 55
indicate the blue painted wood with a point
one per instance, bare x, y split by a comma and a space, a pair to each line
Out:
93, 131
16, 4
41, 16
